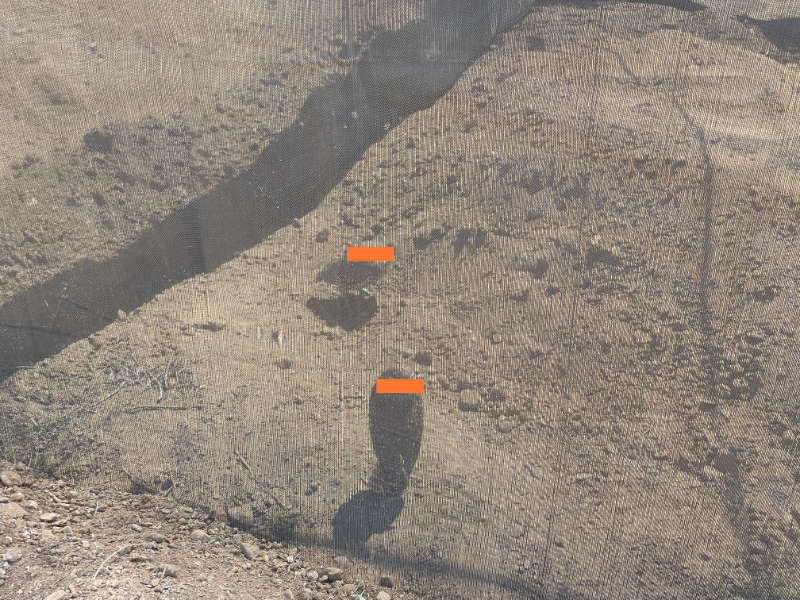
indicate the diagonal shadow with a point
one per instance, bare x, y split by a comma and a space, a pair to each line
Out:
400, 73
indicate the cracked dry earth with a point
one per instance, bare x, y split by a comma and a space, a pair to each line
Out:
597, 239
58, 542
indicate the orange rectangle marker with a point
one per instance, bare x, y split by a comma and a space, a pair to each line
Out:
376, 253
400, 386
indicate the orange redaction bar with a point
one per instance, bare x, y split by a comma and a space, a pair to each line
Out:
400, 386
382, 253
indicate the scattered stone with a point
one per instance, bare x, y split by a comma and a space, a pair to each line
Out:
30, 505
312, 575
48, 517
333, 573
505, 425
469, 400
3, 574
12, 556
10, 478
424, 358
169, 570
287, 595
250, 551
199, 535
496, 338
4, 500
136, 528
57, 595
498, 394
12, 510
323, 236
386, 581
16, 497
6, 540
383, 595
155, 537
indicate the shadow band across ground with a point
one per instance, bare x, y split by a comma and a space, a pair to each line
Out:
393, 79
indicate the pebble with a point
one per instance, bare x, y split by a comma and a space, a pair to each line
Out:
48, 517
16, 497
200, 535
169, 570
4, 500
424, 358
287, 595
2, 574
57, 595
469, 400
333, 573
6, 540
10, 478
12, 510
505, 425
12, 557
312, 575
383, 595
250, 551
155, 537
136, 528
30, 505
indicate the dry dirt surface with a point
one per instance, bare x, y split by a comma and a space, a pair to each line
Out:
596, 232
59, 542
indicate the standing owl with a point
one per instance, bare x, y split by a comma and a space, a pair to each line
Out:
395, 427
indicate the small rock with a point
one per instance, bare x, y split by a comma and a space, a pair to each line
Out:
312, 575
333, 573
48, 517
10, 478
323, 236
349, 588
136, 528
250, 551
169, 570
505, 425
287, 595
57, 595
3, 574
6, 540
383, 595
155, 537
424, 358
469, 400
496, 338
386, 581
12, 510
30, 505
12, 556
199, 535
4, 500
16, 497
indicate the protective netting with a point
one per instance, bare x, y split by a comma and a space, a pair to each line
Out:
594, 208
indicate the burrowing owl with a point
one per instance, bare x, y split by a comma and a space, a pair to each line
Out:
395, 427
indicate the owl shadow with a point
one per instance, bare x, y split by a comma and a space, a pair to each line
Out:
365, 514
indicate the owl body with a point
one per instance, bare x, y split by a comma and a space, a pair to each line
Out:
395, 424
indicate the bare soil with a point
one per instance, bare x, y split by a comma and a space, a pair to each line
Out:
596, 233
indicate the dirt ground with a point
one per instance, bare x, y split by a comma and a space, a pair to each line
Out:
596, 234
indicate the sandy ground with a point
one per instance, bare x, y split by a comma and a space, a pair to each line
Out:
596, 233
